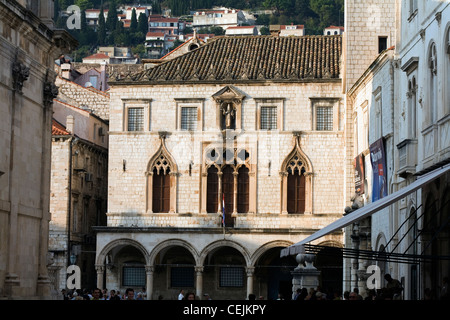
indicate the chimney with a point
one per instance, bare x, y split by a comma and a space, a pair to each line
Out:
65, 70
70, 123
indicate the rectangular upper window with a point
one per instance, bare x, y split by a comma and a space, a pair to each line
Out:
135, 119
324, 118
189, 118
382, 44
268, 118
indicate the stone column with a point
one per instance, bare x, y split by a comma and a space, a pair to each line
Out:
173, 191
235, 194
199, 281
283, 192
305, 276
149, 281
204, 193
149, 175
100, 268
219, 175
250, 273
44, 286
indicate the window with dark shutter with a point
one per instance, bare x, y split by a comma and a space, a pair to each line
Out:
243, 190
228, 191
161, 191
212, 190
295, 192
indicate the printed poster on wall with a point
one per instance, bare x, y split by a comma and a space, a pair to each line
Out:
378, 159
358, 163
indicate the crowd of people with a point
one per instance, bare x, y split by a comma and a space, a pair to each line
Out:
392, 291
104, 294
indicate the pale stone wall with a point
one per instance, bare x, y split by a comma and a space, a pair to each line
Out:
25, 148
59, 195
135, 149
365, 21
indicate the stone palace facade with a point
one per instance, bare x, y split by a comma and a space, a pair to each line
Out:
219, 158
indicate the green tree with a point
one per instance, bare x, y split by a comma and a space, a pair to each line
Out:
84, 4
133, 22
263, 19
264, 31
139, 50
328, 11
143, 23
112, 17
101, 30
156, 7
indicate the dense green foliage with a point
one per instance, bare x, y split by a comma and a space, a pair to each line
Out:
314, 14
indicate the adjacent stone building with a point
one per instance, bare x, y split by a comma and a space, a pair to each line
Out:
29, 46
78, 191
219, 158
397, 141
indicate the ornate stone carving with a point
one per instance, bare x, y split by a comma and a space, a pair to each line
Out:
50, 93
21, 73
228, 110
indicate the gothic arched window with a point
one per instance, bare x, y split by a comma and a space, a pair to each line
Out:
243, 190
296, 186
162, 173
228, 181
296, 182
161, 191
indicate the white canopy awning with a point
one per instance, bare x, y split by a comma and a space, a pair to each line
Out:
366, 211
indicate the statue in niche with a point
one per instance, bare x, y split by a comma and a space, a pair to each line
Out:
229, 114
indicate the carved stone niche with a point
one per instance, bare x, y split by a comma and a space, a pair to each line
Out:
228, 108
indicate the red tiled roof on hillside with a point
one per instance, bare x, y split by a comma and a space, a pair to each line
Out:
299, 26
97, 56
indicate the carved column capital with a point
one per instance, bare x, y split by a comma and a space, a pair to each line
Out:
20, 74
100, 268
199, 269
50, 93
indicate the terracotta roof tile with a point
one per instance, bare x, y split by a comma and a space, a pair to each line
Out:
97, 56
58, 129
250, 58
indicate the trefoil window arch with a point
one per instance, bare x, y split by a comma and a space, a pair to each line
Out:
162, 175
296, 182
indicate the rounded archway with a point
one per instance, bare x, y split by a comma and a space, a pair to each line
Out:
273, 273
174, 264
225, 270
125, 262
